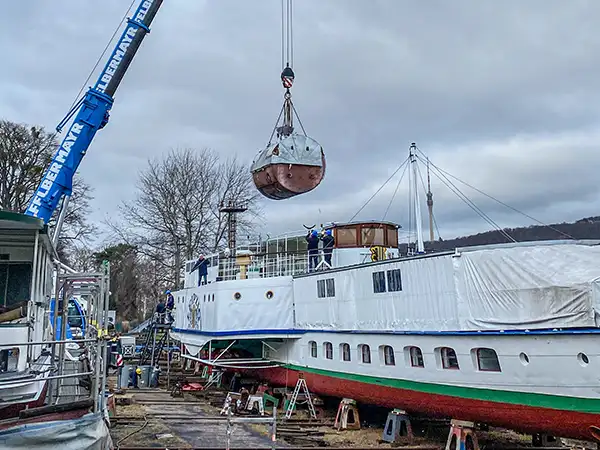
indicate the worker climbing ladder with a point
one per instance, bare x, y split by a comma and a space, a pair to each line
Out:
300, 384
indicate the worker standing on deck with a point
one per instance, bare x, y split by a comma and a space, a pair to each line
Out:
312, 241
160, 311
202, 266
170, 305
328, 243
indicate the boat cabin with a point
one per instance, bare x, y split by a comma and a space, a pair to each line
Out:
26, 254
287, 254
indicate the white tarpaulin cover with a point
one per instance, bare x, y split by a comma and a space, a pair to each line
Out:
87, 433
522, 286
527, 286
292, 149
251, 304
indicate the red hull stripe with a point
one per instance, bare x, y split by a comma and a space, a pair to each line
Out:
529, 413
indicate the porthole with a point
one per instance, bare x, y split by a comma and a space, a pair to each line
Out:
269, 295
524, 358
237, 296
583, 359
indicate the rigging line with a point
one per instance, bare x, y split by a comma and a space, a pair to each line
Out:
102, 55
471, 204
394, 195
378, 190
506, 205
426, 190
469, 201
291, 25
298, 117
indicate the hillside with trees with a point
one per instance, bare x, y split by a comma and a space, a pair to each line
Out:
586, 228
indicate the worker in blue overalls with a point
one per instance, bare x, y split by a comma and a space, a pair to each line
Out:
202, 266
312, 243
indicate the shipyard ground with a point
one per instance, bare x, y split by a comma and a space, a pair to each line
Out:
152, 418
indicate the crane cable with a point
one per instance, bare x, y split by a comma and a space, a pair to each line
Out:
287, 34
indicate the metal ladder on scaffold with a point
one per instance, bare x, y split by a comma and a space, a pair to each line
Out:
300, 385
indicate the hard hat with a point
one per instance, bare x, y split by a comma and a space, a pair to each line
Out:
168, 292
328, 232
314, 233
138, 371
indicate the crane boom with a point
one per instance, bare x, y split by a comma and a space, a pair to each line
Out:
91, 114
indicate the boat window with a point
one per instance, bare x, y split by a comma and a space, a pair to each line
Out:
345, 237
328, 347
416, 357
394, 280
345, 351
326, 288
378, 282
15, 282
449, 359
365, 352
372, 235
388, 355
9, 359
312, 345
392, 237
487, 360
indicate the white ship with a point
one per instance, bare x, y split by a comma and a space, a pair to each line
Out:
506, 335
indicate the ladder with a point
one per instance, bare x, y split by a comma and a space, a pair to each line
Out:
300, 384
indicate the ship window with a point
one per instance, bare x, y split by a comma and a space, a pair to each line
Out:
487, 360
372, 236
328, 347
345, 237
326, 288
345, 352
9, 360
449, 359
378, 282
365, 352
416, 357
394, 280
388, 355
392, 237
313, 348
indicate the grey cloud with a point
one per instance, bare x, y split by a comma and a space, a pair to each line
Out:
502, 96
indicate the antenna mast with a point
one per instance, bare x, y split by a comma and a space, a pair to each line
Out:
412, 155
232, 208
430, 204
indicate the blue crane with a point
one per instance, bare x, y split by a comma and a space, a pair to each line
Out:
91, 114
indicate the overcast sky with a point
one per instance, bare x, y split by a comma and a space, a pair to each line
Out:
503, 95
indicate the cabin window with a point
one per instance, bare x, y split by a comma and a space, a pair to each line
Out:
9, 360
388, 355
326, 288
15, 281
365, 352
392, 237
416, 357
487, 360
449, 359
345, 351
378, 282
394, 280
345, 237
328, 350
312, 345
372, 236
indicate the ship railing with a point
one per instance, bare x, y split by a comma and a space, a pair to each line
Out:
268, 265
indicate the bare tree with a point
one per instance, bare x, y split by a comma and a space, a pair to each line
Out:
176, 211
25, 153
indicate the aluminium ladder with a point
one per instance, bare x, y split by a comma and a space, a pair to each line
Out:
300, 384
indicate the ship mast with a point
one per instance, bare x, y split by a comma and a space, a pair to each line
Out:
412, 155
430, 204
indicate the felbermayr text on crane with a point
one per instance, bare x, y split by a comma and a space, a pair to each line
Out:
92, 114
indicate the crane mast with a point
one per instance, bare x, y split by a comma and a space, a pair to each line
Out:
91, 114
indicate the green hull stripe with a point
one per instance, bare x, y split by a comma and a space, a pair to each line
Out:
583, 405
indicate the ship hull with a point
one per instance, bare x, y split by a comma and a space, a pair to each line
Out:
283, 181
471, 406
